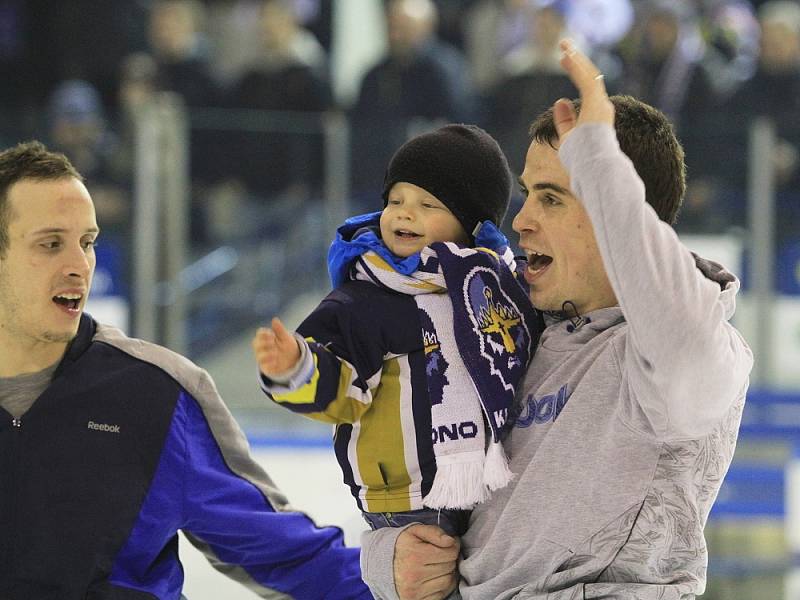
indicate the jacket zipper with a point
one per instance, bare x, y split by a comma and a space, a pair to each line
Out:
16, 425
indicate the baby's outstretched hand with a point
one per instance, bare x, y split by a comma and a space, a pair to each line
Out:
275, 348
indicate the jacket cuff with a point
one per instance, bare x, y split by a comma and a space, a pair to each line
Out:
377, 561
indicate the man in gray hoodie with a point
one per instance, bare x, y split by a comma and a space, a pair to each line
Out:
631, 406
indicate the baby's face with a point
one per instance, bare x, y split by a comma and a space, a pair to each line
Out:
413, 219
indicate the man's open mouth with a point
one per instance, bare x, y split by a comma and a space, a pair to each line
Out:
537, 261
71, 301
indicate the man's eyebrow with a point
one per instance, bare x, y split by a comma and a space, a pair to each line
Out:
50, 230
546, 185
537, 187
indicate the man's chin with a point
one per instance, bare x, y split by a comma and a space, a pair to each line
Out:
59, 337
541, 302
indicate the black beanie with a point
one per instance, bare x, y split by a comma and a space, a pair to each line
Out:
462, 166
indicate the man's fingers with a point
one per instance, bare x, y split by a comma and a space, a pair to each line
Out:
430, 582
433, 535
441, 587
582, 71
425, 562
438, 589
595, 104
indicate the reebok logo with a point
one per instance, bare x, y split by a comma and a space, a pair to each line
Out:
102, 427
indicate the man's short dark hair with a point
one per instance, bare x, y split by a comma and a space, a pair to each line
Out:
647, 137
28, 160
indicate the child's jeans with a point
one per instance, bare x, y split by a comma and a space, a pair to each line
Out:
453, 521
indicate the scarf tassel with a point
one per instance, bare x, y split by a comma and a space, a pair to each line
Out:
464, 483
496, 473
458, 482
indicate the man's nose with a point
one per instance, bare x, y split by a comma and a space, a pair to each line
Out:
527, 219
78, 263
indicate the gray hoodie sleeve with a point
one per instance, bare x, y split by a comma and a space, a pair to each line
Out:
686, 363
377, 561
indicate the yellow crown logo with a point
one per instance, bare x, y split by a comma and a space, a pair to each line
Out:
498, 318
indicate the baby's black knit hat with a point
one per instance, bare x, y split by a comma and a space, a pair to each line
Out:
463, 166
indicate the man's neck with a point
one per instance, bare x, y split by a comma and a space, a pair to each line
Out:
18, 359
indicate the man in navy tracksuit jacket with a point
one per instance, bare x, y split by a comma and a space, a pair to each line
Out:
109, 445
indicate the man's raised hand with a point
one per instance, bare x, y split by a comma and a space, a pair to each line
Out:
595, 105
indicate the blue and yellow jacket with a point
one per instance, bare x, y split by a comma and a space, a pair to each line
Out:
369, 375
366, 344
129, 444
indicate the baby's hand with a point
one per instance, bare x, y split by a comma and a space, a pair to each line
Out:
275, 348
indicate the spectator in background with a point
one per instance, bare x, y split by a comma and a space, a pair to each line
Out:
16, 56
540, 51
77, 126
774, 92
137, 86
290, 74
716, 196
531, 77
667, 64
449, 27
178, 45
181, 53
774, 89
728, 45
286, 43
234, 30
43, 43
495, 28
598, 23
420, 82
730, 32
492, 28
661, 58
421, 76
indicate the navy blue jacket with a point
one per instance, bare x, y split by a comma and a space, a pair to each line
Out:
129, 444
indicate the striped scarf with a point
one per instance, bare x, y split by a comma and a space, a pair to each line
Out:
479, 331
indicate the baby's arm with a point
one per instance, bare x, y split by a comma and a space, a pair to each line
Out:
307, 376
277, 350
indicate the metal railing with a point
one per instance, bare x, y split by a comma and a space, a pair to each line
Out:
163, 276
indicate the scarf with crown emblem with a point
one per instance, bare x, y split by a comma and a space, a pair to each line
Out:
479, 331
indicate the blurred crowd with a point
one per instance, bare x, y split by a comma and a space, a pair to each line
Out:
711, 65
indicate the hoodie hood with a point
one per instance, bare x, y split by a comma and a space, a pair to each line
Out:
727, 281
563, 332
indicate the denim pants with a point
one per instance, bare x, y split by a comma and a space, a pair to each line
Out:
454, 522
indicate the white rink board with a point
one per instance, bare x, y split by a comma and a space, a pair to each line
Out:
311, 479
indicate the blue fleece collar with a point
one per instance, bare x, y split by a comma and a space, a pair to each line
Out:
361, 234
